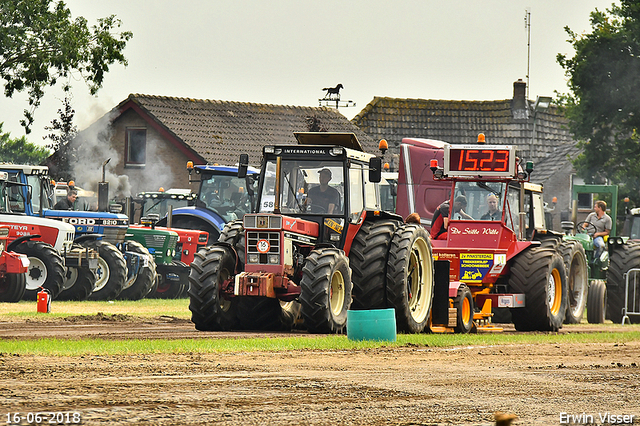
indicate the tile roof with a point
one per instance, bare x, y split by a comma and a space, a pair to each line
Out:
554, 162
220, 130
502, 122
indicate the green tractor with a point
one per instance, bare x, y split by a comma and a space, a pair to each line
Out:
606, 273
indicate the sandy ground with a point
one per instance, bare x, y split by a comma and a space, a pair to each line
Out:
387, 386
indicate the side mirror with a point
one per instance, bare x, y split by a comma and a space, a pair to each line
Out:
375, 169
243, 165
393, 189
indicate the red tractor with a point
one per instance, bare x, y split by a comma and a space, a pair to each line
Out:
507, 259
318, 245
13, 268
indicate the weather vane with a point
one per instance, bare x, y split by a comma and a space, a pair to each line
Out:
333, 96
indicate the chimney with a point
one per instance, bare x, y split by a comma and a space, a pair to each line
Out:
519, 104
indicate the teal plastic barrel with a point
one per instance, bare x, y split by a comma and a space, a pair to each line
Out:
374, 324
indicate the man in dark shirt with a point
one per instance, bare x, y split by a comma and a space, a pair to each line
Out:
324, 196
440, 221
67, 202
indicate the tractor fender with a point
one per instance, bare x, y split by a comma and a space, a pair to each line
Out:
453, 288
15, 243
518, 247
87, 237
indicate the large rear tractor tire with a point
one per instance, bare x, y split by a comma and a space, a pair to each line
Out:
539, 273
12, 287
111, 273
597, 302
463, 303
79, 283
146, 274
233, 233
210, 269
368, 258
575, 264
410, 278
46, 269
326, 291
623, 258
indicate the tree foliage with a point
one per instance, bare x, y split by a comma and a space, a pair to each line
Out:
40, 43
603, 106
20, 151
62, 132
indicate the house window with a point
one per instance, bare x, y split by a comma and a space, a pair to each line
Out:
136, 146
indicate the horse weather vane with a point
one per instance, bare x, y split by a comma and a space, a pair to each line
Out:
333, 97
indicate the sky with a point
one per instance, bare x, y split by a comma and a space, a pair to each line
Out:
285, 52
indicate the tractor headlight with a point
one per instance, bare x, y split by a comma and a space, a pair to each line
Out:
253, 258
274, 259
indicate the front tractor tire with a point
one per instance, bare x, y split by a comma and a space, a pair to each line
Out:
111, 272
46, 269
79, 283
326, 291
539, 273
410, 278
597, 302
12, 287
146, 274
463, 303
211, 268
575, 264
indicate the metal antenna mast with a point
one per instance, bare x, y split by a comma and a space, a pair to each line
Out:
527, 26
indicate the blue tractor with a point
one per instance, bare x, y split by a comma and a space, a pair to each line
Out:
222, 197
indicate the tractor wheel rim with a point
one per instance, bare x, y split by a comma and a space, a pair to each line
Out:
102, 274
70, 278
420, 277
37, 274
466, 310
336, 293
554, 291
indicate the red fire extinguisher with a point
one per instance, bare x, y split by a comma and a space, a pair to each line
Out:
44, 300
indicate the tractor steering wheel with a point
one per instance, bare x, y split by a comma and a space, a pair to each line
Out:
590, 228
316, 208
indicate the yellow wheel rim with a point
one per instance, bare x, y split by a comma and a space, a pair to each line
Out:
420, 277
554, 291
337, 293
466, 310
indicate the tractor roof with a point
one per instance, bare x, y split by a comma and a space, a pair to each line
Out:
347, 140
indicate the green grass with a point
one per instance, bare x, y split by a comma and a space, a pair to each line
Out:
71, 347
146, 308
149, 308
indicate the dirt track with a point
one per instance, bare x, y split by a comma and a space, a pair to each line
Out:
408, 385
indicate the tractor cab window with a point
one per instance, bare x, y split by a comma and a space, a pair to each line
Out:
356, 195
484, 200
306, 186
36, 193
512, 209
225, 194
15, 196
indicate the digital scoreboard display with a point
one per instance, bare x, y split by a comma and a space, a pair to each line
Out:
479, 160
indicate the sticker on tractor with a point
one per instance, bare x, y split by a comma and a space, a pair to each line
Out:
474, 266
330, 223
263, 246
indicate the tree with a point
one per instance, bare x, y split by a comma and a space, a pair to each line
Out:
63, 131
19, 151
40, 43
603, 106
